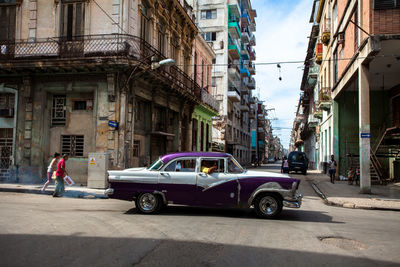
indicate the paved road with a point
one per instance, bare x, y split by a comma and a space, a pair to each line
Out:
37, 230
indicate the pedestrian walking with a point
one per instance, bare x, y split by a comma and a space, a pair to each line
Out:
52, 167
60, 173
332, 168
285, 165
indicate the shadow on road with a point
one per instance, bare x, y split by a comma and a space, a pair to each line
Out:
286, 215
77, 250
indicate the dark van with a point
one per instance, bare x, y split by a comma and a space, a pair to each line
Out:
298, 161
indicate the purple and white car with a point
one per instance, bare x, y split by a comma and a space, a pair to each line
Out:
181, 178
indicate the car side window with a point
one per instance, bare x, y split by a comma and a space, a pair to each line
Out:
210, 166
181, 165
233, 167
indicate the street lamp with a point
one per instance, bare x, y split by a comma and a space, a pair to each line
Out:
165, 62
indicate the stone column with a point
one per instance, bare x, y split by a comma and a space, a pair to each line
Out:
364, 128
122, 147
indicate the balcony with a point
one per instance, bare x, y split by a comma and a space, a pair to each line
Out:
234, 30
209, 100
318, 114
252, 27
233, 95
244, 72
234, 73
251, 83
244, 52
245, 35
324, 99
312, 121
244, 107
252, 68
92, 53
233, 49
244, 19
252, 54
252, 39
260, 130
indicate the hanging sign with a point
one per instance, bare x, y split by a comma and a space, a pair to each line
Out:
365, 135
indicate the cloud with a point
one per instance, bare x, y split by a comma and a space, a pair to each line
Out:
282, 30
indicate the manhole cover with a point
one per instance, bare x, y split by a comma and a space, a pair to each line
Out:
343, 243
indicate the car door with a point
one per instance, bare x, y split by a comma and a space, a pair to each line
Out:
218, 188
177, 180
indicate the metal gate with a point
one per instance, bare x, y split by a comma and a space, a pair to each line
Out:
6, 142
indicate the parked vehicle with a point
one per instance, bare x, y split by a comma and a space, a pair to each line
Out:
298, 161
204, 179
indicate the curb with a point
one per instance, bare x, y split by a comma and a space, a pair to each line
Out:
346, 205
68, 193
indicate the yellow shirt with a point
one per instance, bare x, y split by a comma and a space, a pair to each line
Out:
205, 169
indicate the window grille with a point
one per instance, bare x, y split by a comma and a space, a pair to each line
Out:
58, 114
136, 148
72, 145
386, 4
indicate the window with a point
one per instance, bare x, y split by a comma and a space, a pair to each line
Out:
209, 14
219, 163
7, 102
136, 148
233, 166
181, 165
335, 67
72, 19
174, 48
386, 4
7, 22
72, 145
213, 81
210, 36
161, 37
79, 105
144, 23
334, 17
58, 113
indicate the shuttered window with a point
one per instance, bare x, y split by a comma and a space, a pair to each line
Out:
7, 22
72, 19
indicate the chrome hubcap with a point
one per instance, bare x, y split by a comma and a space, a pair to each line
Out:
147, 202
268, 205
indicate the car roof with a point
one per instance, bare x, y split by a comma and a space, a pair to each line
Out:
171, 156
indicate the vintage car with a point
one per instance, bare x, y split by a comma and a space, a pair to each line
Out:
203, 179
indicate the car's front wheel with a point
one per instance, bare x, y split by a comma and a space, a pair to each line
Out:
148, 203
268, 205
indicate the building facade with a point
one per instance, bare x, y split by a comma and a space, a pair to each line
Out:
81, 76
356, 87
229, 26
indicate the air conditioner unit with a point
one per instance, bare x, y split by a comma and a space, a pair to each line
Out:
340, 38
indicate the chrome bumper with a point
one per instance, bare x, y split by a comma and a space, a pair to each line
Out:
109, 191
294, 202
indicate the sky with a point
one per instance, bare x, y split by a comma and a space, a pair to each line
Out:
281, 35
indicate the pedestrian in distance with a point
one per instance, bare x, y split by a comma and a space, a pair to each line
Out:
332, 169
52, 167
60, 173
285, 165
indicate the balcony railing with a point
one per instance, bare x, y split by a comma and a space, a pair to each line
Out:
97, 47
209, 100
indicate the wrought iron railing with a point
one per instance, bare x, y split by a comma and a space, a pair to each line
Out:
98, 46
209, 100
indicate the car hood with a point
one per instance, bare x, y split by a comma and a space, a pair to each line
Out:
250, 173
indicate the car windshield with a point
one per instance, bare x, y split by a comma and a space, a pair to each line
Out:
156, 165
234, 166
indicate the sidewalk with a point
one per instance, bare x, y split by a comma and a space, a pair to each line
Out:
70, 191
344, 195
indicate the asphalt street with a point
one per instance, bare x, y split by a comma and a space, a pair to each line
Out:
38, 230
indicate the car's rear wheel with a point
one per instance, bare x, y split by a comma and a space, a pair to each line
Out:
148, 203
268, 205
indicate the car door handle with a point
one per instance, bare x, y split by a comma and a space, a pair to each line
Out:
202, 174
165, 174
